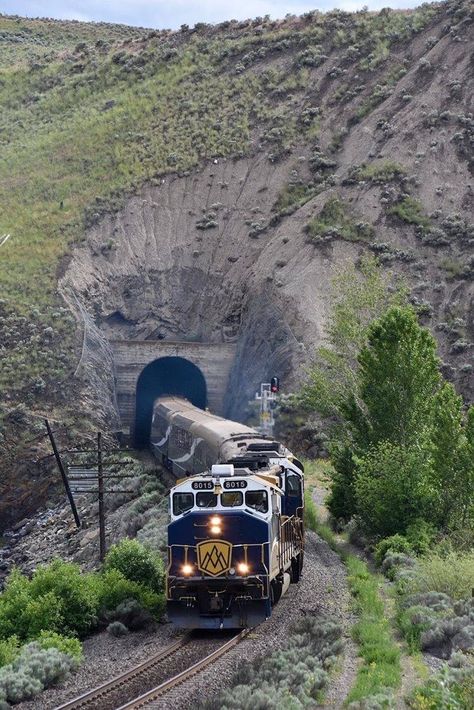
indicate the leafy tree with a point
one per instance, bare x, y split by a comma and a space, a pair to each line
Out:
449, 453
358, 296
398, 379
392, 488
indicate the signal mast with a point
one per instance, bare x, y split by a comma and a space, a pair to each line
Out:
267, 397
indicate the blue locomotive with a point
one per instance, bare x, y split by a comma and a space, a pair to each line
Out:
236, 536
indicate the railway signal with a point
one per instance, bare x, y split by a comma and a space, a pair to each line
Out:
267, 398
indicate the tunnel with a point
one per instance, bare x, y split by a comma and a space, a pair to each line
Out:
167, 375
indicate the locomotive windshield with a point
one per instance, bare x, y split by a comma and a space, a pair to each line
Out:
258, 500
206, 499
182, 502
230, 499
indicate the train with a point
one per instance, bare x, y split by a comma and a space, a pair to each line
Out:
236, 531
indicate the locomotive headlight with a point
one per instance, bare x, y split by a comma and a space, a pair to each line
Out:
243, 568
187, 570
215, 524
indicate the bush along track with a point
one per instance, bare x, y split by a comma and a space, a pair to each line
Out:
43, 617
436, 616
294, 677
379, 674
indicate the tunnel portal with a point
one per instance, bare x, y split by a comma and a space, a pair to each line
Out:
167, 375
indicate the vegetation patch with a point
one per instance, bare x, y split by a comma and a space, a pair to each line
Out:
333, 222
377, 173
380, 672
49, 612
293, 196
295, 676
409, 211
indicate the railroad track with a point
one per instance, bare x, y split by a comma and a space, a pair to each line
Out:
161, 672
147, 698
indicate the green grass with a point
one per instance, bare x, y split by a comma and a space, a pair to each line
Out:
410, 211
379, 172
381, 667
334, 221
294, 196
380, 670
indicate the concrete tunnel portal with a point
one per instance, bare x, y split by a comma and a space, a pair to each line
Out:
166, 375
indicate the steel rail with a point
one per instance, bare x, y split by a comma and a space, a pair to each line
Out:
151, 695
93, 697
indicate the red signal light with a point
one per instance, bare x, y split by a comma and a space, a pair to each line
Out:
275, 384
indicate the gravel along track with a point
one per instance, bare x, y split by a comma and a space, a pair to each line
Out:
322, 591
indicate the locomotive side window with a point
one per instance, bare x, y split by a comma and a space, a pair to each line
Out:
293, 486
206, 499
258, 500
182, 502
180, 442
230, 499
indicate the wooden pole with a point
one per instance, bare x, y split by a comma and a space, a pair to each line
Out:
100, 476
63, 474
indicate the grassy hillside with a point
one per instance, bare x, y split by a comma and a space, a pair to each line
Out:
90, 113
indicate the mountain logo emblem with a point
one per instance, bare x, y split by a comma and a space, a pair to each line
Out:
214, 557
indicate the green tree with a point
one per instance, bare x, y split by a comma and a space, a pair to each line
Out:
398, 379
450, 455
358, 296
392, 488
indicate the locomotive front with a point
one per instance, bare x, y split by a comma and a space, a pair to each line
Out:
222, 548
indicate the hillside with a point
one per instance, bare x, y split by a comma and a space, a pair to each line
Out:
206, 184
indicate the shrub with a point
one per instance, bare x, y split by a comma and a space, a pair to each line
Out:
413, 621
394, 543
33, 670
117, 629
393, 561
25, 612
114, 589
452, 575
292, 677
65, 644
420, 535
137, 563
76, 594
131, 615
9, 650
391, 488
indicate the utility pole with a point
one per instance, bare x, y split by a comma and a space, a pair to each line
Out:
63, 474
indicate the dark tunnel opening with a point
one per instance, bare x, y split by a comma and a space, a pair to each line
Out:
167, 375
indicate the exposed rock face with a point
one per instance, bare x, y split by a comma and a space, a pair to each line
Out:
160, 276
150, 271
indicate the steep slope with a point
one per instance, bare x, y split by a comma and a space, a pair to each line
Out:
206, 185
